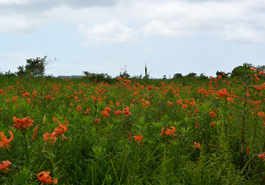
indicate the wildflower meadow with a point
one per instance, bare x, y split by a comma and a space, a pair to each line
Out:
183, 131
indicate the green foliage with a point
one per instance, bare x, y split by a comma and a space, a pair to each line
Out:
223, 74
146, 73
23, 176
240, 70
106, 152
191, 75
124, 73
261, 68
35, 67
21, 71
9, 74
177, 75
203, 77
101, 77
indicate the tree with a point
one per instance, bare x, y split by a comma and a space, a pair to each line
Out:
203, 77
124, 74
35, 67
240, 70
193, 75
223, 74
98, 77
177, 75
9, 74
21, 71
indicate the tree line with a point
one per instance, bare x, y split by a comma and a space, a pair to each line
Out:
36, 67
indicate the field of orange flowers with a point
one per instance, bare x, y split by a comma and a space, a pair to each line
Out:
62, 131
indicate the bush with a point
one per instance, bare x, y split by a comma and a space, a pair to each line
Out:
101, 77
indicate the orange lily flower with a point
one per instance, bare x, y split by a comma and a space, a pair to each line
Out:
184, 106
169, 103
150, 88
253, 69
97, 119
49, 137
196, 111
126, 111
262, 156
108, 109
4, 165
54, 119
25, 94
212, 114
105, 113
117, 112
146, 103
34, 93
170, 131
45, 177
22, 123
197, 145
212, 124
179, 101
139, 139
222, 93
87, 111
229, 99
78, 108
60, 129
4, 141
14, 98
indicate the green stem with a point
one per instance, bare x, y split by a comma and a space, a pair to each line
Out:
51, 157
243, 128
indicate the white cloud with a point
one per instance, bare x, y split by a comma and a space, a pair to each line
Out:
78, 17
241, 34
110, 32
184, 18
157, 28
122, 21
16, 24
10, 2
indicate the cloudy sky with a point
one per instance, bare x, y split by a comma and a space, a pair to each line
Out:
104, 36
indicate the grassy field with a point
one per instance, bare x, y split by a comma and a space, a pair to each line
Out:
132, 132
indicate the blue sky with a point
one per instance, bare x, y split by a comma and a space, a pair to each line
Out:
103, 36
